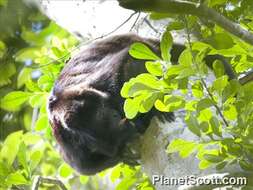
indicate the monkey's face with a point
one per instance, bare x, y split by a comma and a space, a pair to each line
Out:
89, 131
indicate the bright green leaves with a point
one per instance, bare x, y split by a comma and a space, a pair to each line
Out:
6, 72
230, 112
154, 68
220, 83
11, 147
130, 178
23, 76
215, 126
185, 58
212, 3
141, 51
30, 53
14, 100
185, 148
154, 89
165, 46
142, 92
214, 108
193, 124
65, 170
197, 89
222, 41
16, 179
170, 103
218, 69
19, 158
131, 107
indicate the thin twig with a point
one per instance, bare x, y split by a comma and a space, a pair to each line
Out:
150, 25
137, 18
201, 79
84, 43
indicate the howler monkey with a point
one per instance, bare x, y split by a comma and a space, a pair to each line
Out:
85, 107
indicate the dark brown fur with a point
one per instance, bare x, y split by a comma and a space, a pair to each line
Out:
86, 109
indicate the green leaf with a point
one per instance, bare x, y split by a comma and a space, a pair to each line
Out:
65, 170
193, 124
212, 3
204, 164
45, 82
171, 103
205, 115
204, 103
16, 179
126, 183
57, 52
204, 126
215, 126
141, 51
42, 123
245, 165
13, 100
22, 158
2, 47
186, 72
4, 169
37, 99
220, 83
197, 89
150, 81
27, 54
32, 86
154, 68
213, 158
218, 68
131, 107
165, 45
30, 138
142, 83
115, 174
185, 58
222, 41
185, 148
11, 146
137, 89
159, 16
230, 112
35, 158
7, 70
174, 70
221, 165
175, 25
84, 179
148, 102
23, 76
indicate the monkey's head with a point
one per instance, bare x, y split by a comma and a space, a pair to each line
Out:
90, 132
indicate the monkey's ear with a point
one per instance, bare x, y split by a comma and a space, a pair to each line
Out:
80, 91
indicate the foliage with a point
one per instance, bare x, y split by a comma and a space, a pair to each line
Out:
33, 50
218, 111
28, 72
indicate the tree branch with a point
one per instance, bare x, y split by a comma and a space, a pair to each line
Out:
247, 78
186, 7
39, 180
